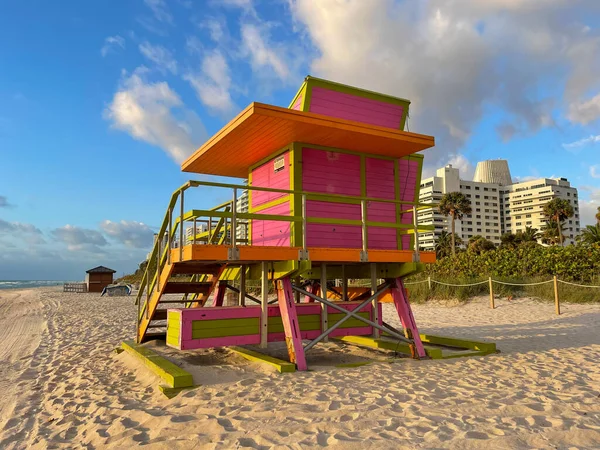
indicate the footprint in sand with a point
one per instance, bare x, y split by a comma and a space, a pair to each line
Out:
476, 435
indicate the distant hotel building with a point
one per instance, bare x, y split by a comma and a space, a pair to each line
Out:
498, 205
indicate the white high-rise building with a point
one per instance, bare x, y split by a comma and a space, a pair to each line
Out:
497, 207
523, 203
241, 232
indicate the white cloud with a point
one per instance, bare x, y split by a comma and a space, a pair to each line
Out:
80, 239
595, 171
131, 233
213, 85
518, 179
160, 10
455, 59
154, 113
215, 28
588, 208
18, 227
160, 56
111, 44
264, 55
466, 169
586, 111
582, 142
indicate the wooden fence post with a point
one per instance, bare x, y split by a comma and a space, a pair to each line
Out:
429, 283
556, 299
492, 305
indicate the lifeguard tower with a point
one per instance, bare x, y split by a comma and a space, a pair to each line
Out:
333, 187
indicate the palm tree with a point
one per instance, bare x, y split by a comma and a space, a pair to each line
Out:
590, 234
529, 234
455, 205
558, 210
551, 232
443, 244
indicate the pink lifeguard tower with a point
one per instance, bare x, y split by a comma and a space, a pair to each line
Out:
332, 194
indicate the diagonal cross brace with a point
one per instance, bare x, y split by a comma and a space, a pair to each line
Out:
353, 314
348, 315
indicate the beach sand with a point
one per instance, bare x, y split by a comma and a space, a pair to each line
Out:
62, 386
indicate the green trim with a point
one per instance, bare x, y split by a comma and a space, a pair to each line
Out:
300, 91
397, 197
214, 324
363, 271
306, 100
171, 374
279, 364
363, 175
248, 216
295, 199
249, 237
397, 346
226, 332
479, 346
170, 392
331, 221
309, 322
353, 365
276, 202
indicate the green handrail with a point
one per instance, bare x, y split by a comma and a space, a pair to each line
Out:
153, 270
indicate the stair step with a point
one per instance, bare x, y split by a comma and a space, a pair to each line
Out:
160, 314
196, 267
187, 287
157, 325
180, 301
151, 335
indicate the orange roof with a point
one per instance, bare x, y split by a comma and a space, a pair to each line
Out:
260, 130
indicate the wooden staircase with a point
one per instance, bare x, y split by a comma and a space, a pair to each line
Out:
152, 315
164, 275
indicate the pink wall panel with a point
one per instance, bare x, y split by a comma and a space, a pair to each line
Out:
265, 176
336, 173
298, 103
352, 107
333, 236
382, 238
407, 178
380, 184
272, 232
330, 172
317, 208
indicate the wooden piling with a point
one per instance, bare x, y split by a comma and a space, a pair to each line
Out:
556, 299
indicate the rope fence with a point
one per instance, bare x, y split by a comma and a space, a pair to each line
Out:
491, 282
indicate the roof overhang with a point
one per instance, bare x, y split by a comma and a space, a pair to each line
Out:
260, 130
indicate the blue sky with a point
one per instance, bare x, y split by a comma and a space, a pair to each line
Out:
101, 100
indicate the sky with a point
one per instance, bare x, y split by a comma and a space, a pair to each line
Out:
100, 101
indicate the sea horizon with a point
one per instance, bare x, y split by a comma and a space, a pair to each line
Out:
23, 284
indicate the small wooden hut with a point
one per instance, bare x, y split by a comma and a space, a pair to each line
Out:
98, 278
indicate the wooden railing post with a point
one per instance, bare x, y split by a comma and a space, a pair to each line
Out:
556, 299
492, 304
181, 209
324, 319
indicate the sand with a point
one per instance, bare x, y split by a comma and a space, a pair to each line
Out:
62, 386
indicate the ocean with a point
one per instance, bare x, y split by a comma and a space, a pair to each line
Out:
27, 284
